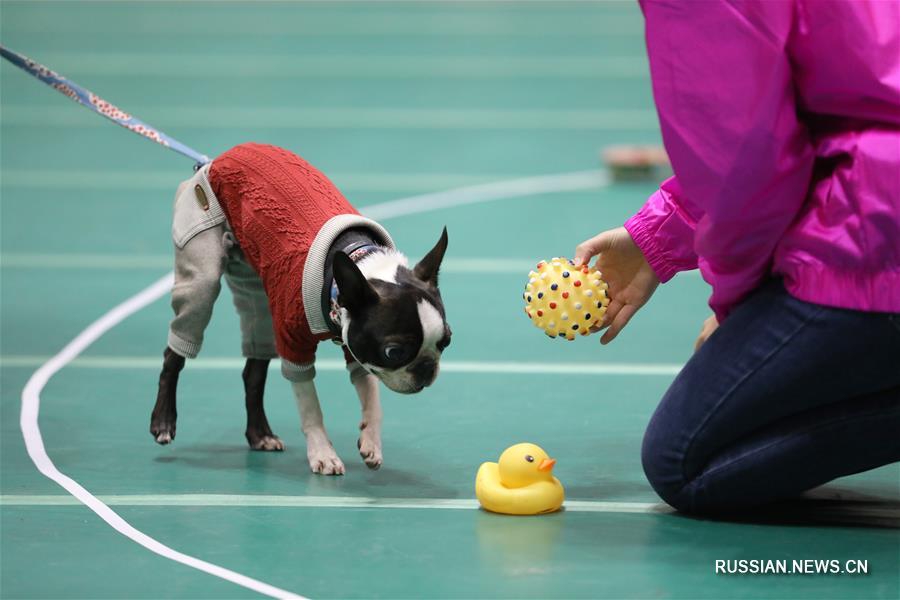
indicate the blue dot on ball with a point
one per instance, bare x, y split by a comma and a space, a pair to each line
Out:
565, 273
554, 286
540, 294
575, 327
587, 317
529, 298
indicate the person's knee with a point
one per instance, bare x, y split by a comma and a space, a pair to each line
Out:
666, 466
663, 462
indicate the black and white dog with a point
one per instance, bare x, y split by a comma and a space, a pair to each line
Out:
303, 267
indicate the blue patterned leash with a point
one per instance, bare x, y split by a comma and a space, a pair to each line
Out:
100, 106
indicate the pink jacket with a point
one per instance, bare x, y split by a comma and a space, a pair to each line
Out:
782, 121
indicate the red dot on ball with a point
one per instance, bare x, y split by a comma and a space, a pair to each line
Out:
565, 295
553, 305
540, 313
577, 284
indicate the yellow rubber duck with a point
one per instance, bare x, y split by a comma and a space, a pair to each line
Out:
522, 483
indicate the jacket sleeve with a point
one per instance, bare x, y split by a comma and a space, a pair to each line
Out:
723, 88
664, 231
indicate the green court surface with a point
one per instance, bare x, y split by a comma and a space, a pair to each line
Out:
392, 100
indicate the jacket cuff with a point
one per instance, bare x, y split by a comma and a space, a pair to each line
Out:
297, 372
664, 233
182, 347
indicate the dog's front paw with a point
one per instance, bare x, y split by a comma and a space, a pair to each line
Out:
369, 444
323, 460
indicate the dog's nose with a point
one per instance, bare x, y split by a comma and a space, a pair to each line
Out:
424, 369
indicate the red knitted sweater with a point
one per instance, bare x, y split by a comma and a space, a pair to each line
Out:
276, 203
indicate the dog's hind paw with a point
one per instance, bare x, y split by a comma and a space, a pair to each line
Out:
163, 433
266, 443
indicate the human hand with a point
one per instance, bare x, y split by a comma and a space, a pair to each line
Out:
631, 279
709, 326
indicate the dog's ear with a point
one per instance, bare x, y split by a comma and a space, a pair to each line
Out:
354, 291
428, 267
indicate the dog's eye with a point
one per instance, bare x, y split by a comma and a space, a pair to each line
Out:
396, 353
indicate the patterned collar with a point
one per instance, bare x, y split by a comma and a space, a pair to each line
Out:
356, 254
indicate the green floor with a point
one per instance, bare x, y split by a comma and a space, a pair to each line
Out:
391, 100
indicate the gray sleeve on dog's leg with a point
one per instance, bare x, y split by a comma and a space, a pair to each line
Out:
296, 373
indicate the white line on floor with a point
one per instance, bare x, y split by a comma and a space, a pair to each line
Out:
113, 180
461, 266
181, 65
501, 190
264, 501
34, 441
31, 398
403, 23
323, 364
17, 260
285, 117
471, 194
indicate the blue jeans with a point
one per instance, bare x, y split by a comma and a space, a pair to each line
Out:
783, 397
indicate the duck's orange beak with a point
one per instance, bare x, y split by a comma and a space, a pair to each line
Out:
547, 464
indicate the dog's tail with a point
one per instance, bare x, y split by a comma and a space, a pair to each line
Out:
100, 106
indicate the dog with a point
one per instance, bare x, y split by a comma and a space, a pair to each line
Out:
303, 267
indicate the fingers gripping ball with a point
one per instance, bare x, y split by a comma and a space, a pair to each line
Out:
565, 300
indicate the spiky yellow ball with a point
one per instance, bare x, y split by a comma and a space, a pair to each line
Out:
564, 300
